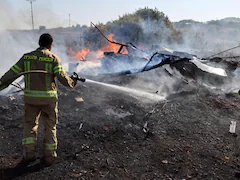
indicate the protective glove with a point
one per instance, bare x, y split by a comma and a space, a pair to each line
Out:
74, 80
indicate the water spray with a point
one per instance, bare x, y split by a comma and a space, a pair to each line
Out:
146, 95
149, 96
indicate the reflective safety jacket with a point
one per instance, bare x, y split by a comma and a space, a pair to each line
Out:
40, 88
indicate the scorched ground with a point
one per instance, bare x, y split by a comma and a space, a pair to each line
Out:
114, 135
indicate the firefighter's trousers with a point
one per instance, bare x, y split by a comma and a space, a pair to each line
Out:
49, 115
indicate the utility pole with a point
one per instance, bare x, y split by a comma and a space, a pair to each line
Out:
69, 19
31, 1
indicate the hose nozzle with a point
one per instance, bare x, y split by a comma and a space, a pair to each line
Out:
76, 77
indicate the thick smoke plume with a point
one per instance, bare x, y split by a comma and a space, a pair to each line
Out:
147, 34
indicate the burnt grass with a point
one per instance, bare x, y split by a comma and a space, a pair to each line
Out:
113, 135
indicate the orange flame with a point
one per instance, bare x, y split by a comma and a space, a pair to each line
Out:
78, 55
111, 47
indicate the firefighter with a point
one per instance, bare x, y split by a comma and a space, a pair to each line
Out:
40, 97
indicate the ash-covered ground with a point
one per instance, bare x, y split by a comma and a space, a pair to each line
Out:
115, 135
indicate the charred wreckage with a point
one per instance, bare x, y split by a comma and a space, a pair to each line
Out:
212, 71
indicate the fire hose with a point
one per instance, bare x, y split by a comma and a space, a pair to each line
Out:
75, 77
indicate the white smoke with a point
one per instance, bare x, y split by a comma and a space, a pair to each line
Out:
10, 18
206, 39
12, 47
15, 41
20, 18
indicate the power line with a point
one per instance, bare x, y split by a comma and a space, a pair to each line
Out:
223, 51
31, 1
69, 20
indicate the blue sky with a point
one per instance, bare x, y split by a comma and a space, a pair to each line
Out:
55, 12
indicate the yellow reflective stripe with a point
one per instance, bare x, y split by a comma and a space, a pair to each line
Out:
25, 77
29, 140
51, 147
45, 59
58, 69
41, 58
29, 68
16, 69
30, 57
48, 68
41, 94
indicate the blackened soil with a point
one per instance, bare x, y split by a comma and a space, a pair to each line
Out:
113, 135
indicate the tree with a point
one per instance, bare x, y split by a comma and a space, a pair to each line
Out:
145, 26
151, 24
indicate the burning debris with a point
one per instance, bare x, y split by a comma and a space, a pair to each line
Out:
118, 59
